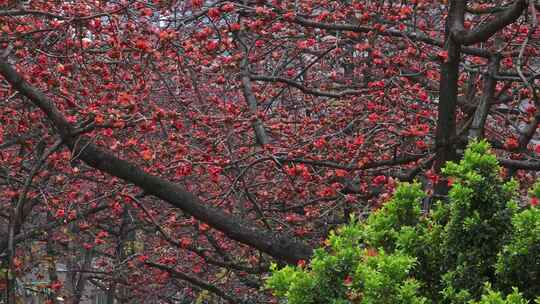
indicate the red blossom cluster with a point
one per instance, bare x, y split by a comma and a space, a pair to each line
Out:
162, 148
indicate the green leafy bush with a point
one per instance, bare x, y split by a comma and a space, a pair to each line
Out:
477, 239
479, 211
518, 263
495, 297
347, 273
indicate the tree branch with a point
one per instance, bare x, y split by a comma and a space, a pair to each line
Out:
480, 115
279, 246
520, 164
485, 31
305, 89
415, 36
194, 281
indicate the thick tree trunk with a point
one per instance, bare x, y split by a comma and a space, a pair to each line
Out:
448, 91
456, 37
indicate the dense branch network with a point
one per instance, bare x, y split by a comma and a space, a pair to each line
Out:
219, 135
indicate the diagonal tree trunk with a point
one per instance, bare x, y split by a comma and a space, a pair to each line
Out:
279, 246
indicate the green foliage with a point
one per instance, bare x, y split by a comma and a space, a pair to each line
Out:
495, 297
384, 278
535, 190
477, 239
347, 273
395, 222
480, 210
518, 263
324, 284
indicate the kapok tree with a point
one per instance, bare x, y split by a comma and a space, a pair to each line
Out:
188, 143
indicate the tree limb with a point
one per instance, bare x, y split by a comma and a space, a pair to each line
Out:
279, 246
485, 31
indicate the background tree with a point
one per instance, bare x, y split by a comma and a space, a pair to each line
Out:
183, 145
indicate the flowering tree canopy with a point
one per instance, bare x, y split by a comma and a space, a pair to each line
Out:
171, 150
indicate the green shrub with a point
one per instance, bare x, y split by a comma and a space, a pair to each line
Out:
477, 239
396, 220
478, 222
495, 297
348, 273
518, 263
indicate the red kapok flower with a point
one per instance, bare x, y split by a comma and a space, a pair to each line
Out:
380, 179
511, 143
228, 7
214, 13
56, 286
443, 55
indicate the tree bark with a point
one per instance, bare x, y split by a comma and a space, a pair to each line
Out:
448, 90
